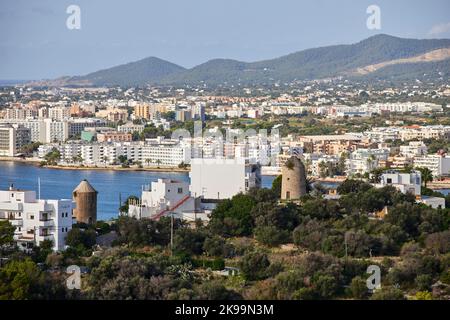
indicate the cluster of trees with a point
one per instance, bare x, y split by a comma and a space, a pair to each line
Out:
332, 242
53, 157
28, 149
123, 274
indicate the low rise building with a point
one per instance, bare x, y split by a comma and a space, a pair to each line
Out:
114, 136
130, 127
163, 197
404, 182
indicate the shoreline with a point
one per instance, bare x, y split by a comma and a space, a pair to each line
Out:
435, 185
115, 168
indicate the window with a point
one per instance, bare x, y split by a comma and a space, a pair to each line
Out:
288, 195
180, 190
389, 180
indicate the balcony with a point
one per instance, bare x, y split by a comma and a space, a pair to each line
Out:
16, 222
24, 237
46, 223
45, 237
45, 219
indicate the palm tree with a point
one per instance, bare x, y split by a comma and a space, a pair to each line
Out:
427, 175
370, 161
323, 169
147, 161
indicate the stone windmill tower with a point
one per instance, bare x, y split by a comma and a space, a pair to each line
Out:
293, 182
85, 197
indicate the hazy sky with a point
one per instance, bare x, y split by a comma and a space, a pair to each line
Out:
35, 42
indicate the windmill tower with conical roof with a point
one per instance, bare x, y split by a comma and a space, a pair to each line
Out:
293, 180
85, 197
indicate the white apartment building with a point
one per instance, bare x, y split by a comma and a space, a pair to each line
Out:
439, 165
20, 113
363, 161
36, 220
401, 107
55, 131
421, 133
130, 127
164, 154
414, 149
35, 126
222, 178
7, 141
315, 164
12, 138
48, 130
382, 134
59, 113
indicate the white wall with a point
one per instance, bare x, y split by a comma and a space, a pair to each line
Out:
217, 178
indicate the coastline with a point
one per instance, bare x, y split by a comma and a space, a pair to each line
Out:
36, 163
435, 185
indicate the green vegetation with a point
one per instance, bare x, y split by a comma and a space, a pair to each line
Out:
53, 157
316, 249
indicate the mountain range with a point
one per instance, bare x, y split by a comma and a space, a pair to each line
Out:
378, 57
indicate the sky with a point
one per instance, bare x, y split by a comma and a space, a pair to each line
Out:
35, 42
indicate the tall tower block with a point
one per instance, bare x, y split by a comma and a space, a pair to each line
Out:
293, 181
85, 197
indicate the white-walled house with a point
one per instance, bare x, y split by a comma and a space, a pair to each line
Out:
404, 182
409, 183
162, 197
35, 219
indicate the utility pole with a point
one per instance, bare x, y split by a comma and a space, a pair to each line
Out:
345, 242
171, 233
120, 202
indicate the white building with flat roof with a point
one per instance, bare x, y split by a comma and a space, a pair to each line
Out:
414, 149
162, 197
222, 178
404, 182
130, 127
35, 219
12, 138
363, 161
439, 165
